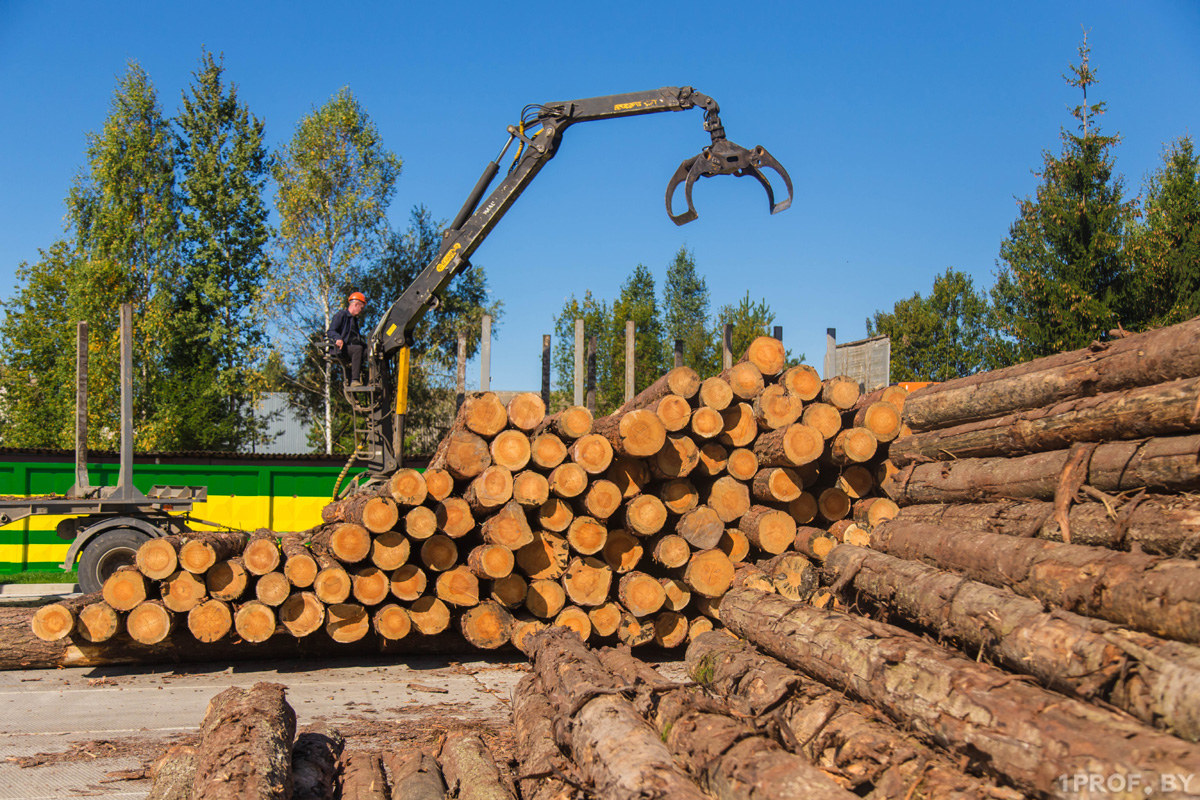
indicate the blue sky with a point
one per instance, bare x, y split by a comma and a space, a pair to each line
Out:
909, 129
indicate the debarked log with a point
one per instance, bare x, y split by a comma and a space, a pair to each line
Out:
1027, 734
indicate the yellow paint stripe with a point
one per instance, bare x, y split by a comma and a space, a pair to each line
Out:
243, 512
17, 553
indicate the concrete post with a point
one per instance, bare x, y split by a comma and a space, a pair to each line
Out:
485, 355
578, 362
630, 331
546, 369
727, 347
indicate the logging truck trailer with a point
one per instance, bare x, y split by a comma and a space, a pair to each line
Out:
107, 524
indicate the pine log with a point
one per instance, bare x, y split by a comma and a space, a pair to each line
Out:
408, 583
390, 550
698, 626
439, 553
856, 481
742, 464
1156, 681
415, 775
587, 581
770, 530
545, 598
674, 411
682, 381
462, 454
734, 544
526, 411
621, 551
569, 424
227, 580
776, 485
348, 542
670, 629
751, 576
768, 354
407, 487
299, 566
701, 527
641, 594
575, 619
182, 591
470, 770
706, 423
149, 623
881, 418
210, 621
458, 587
852, 446
545, 557
606, 618
634, 632
1158, 410
586, 535
616, 750
1023, 732
629, 475
745, 379
803, 509
555, 515
1164, 525
602, 499
677, 458
567, 480
792, 575
511, 450
439, 483
302, 614
840, 392
592, 452
1147, 593
729, 497
371, 585
125, 589
708, 573
524, 629
645, 515
158, 558
671, 551
539, 759
873, 757
491, 489
677, 597
246, 745
823, 417
422, 522
363, 777
332, 584
530, 489
57, 621
274, 587
713, 459
740, 427
486, 625
199, 551
638, 433
315, 758
872, 511
792, 446
508, 527
833, 504
679, 495
1143, 359
346, 622
491, 561
802, 381
727, 757
254, 621
376, 513
391, 622
775, 407
173, 774
453, 517
484, 414
716, 393
429, 615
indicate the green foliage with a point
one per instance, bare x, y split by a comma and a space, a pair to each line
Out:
597, 321
335, 180
218, 349
686, 315
940, 337
636, 302
1167, 244
1064, 271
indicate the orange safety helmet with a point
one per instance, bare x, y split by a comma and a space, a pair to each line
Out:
359, 296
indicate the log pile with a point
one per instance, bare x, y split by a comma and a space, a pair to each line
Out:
629, 528
248, 750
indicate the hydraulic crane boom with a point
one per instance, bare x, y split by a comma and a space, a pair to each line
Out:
538, 135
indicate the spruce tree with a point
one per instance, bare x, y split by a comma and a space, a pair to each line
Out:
686, 314
1063, 268
636, 302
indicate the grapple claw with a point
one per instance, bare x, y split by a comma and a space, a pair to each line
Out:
683, 173
724, 157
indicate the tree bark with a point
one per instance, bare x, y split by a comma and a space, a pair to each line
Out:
1029, 735
470, 771
1155, 595
570, 424
415, 776
173, 774
200, 551
618, 752
246, 745
1143, 359
315, 758
539, 761
792, 446
682, 381
362, 775
1075, 655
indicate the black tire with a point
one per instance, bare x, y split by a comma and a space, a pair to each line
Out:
105, 554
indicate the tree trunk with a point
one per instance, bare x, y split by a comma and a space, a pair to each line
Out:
1143, 359
615, 749
545, 558
567, 480
824, 417
1068, 653
637, 433
708, 573
716, 393
509, 527
530, 489
470, 770
461, 453
792, 446
768, 529
422, 522
1155, 595
671, 551
228, 580
429, 615
875, 758
645, 514
555, 515
315, 758
592, 452
158, 558
740, 428
491, 489
602, 499
682, 381
586, 536
525, 411
547, 451
587, 581
881, 418
852, 446
348, 542
246, 745
487, 626
210, 621
439, 553
149, 623
569, 424
407, 487
677, 458
439, 483
802, 381
776, 485
539, 761
1165, 525
363, 777
299, 566
674, 411
391, 622
453, 517
415, 776
545, 598
701, 528
125, 589
742, 464
459, 587
745, 379
775, 408
729, 497
1029, 735
872, 511
641, 594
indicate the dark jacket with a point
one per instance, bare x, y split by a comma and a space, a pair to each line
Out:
345, 327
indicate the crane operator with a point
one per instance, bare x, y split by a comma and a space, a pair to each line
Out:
343, 334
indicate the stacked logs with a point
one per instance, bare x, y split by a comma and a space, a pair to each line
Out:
630, 527
248, 748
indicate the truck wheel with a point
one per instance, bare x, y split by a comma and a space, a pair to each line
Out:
107, 553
